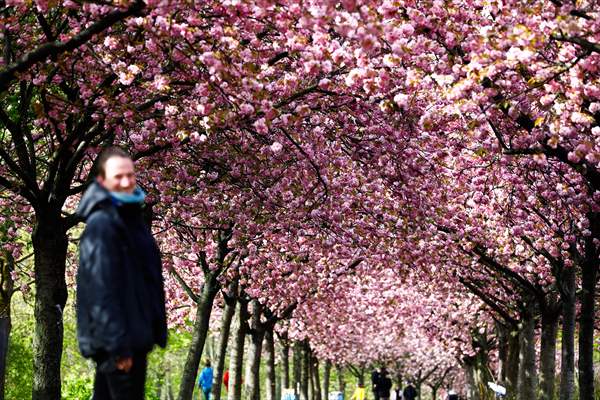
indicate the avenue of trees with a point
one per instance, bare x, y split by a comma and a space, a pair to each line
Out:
349, 183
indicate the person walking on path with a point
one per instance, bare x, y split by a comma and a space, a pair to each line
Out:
375, 383
384, 386
120, 290
360, 393
205, 380
410, 393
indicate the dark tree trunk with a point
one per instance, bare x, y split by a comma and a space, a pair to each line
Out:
326, 376
527, 366
270, 353
311, 380
6, 291
297, 362
285, 363
200, 330
341, 380
548, 352
305, 361
223, 340
236, 360
257, 335
50, 251
567, 359
502, 333
317, 379
589, 276
512, 368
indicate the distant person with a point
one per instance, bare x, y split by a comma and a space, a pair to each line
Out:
360, 393
384, 386
452, 395
226, 379
398, 392
410, 393
205, 380
375, 383
120, 296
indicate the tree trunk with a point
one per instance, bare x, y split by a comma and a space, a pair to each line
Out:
470, 378
6, 291
589, 273
311, 380
316, 374
236, 359
285, 363
305, 358
502, 333
341, 380
254, 353
297, 361
527, 367
200, 330
326, 376
270, 352
257, 335
223, 340
548, 353
50, 251
567, 359
512, 368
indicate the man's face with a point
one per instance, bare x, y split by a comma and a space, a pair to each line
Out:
119, 175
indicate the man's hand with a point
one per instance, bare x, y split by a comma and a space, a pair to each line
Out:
124, 364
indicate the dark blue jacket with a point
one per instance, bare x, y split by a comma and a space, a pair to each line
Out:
120, 289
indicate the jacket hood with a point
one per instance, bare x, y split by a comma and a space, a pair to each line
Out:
93, 196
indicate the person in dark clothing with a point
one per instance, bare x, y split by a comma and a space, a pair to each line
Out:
410, 393
120, 290
384, 386
375, 383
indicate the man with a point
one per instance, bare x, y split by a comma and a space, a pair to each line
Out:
205, 380
374, 383
410, 393
120, 294
384, 386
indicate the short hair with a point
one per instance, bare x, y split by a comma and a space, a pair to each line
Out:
207, 362
107, 154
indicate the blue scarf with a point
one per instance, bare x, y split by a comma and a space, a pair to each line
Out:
120, 198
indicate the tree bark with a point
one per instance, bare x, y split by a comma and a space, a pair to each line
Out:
305, 359
502, 332
548, 353
527, 367
341, 380
223, 340
50, 251
285, 363
326, 376
512, 368
567, 359
6, 291
270, 353
589, 274
257, 335
236, 359
200, 330
297, 370
317, 384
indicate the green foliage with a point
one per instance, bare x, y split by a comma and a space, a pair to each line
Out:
20, 351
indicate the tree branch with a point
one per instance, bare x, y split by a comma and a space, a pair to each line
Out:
55, 48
